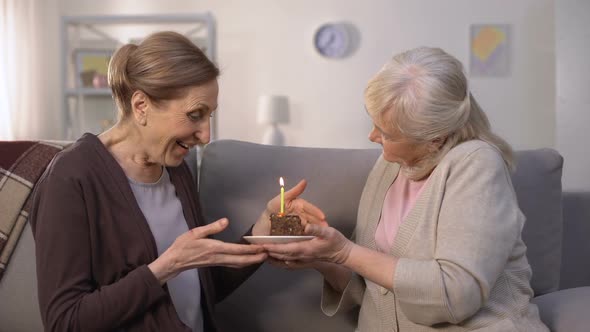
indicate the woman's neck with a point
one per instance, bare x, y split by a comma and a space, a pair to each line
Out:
124, 142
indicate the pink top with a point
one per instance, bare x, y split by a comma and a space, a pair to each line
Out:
399, 200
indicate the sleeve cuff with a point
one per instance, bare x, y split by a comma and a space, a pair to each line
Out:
154, 289
334, 301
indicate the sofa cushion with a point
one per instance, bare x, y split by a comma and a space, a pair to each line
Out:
565, 310
237, 179
537, 182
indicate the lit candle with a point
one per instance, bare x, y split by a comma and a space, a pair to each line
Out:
282, 183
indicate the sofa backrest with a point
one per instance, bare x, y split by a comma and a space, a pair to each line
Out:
238, 178
537, 182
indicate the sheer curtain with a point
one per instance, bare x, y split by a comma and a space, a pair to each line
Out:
20, 69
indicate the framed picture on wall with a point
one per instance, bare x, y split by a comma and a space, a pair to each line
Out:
489, 50
91, 67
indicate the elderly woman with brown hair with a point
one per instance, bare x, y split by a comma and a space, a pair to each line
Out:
121, 244
437, 245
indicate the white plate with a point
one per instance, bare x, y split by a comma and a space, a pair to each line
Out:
277, 239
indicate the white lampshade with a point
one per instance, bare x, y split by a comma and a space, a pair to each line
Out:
273, 109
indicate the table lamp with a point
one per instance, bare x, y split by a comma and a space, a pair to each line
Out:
272, 111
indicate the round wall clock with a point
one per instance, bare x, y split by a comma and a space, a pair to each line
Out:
332, 40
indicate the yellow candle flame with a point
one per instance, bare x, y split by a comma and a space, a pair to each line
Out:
282, 183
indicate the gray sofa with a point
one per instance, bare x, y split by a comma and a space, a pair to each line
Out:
236, 180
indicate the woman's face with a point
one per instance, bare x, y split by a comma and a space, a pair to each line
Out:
175, 126
396, 147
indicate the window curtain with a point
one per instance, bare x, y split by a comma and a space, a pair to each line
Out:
21, 92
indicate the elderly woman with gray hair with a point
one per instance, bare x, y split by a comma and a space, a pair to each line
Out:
437, 245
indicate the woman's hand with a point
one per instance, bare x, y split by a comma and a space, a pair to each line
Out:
326, 253
308, 212
193, 250
329, 245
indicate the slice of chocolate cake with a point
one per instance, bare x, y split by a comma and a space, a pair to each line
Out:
289, 224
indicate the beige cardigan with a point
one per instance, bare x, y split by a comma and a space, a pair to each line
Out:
462, 263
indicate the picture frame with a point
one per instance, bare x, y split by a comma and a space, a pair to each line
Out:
489, 50
91, 67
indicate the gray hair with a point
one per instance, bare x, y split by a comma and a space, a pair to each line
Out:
428, 94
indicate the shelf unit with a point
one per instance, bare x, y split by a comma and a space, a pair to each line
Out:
82, 101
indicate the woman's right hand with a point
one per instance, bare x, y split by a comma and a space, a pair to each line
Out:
309, 213
194, 249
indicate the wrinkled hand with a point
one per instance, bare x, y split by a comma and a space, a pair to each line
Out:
194, 249
329, 245
308, 212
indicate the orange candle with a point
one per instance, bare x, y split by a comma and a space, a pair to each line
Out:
282, 183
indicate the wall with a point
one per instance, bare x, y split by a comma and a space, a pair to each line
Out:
573, 99
265, 46
43, 121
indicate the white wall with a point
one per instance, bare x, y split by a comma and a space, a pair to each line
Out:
265, 46
49, 114
573, 97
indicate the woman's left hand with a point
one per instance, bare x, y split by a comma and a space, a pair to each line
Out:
309, 213
329, 245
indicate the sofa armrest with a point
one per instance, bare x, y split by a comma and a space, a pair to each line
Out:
19, 305
565, 310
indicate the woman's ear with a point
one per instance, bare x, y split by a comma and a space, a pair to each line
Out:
139, 107
437, 143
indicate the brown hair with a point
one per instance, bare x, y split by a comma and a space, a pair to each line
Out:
427, 91
162, 66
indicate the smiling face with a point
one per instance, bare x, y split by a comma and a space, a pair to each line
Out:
170, 128
396, 147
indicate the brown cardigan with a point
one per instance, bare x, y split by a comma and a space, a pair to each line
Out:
93, 245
